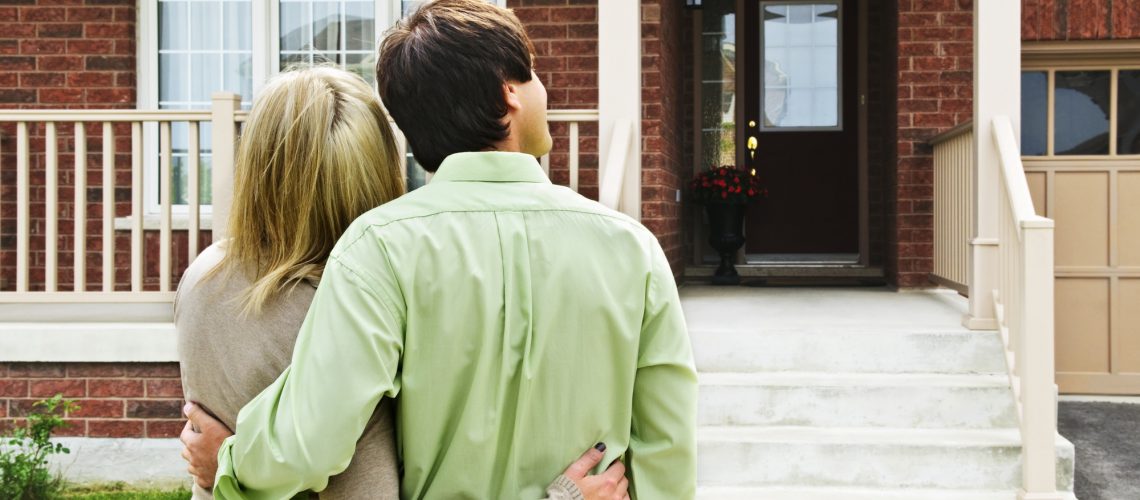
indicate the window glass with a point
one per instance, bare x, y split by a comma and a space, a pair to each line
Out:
339, 32
1034, 113
1081, 101
718, 83
205, 46
1128, 113
801, 65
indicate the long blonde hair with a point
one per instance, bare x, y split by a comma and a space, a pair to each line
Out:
316, 152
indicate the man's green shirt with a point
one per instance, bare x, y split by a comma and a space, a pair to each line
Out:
517, 324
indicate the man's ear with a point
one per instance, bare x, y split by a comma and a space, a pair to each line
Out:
511, 96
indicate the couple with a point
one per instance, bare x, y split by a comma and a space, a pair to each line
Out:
466, 340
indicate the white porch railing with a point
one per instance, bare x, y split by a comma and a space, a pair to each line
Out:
573, 118
953, 207
1023, 302
38, 241
223, 118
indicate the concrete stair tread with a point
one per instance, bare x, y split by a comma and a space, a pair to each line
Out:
697, 330
834, 493
856, 379
865, 435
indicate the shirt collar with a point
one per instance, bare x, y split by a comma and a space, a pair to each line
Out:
490, 166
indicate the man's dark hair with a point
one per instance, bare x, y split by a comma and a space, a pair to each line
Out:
440, 74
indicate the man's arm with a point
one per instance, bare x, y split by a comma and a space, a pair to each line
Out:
663, 446
303, 428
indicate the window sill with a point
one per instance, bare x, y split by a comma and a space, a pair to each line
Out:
153, 222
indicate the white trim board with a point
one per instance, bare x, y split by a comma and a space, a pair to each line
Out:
88, 342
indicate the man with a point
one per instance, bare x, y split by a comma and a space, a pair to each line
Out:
514, 319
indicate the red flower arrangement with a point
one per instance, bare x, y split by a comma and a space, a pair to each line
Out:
726, 184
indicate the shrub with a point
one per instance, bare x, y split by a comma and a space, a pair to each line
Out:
24, 472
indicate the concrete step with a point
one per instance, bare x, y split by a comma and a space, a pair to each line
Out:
844, 349
884, 458
807, 493
856, 400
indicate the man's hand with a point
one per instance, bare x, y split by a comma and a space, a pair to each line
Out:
609, 485
202, 437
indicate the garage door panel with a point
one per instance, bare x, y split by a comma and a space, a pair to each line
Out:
1128, 329
1082, 340
1082, 219
1128, 218
1037, 182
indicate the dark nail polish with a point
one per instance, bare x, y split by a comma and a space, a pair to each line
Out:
600, 447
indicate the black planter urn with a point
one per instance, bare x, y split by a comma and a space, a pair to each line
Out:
726, 235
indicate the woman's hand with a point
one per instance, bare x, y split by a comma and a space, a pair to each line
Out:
609, 485
201, 439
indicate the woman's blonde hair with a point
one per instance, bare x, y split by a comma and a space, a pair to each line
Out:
316, 152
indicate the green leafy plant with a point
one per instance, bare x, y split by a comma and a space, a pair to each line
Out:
24, 472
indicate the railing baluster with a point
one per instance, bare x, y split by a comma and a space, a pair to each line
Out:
23, 210
574, 156
51, 207
108, 207
137, 262
193, 195
545, 162
79, 212
164, 203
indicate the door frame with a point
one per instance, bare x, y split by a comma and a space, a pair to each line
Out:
742, 56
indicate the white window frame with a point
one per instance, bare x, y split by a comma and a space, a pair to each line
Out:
266, 46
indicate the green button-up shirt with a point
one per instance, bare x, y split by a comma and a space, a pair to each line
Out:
517, 324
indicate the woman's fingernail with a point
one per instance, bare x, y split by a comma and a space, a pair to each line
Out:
600, 447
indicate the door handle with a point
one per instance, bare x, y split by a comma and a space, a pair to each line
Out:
752, 144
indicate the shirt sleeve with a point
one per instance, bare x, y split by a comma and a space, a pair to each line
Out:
303, 428
662, 456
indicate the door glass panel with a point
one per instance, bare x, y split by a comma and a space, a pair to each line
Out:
1128, 113
718, 83
1034, 112
1081, 100
800, 74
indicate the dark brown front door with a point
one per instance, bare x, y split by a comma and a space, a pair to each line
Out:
801, 98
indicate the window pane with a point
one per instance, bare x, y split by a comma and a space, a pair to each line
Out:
1128, 113
173, 31
1034, 112
326, 26
1081, 112
205, 76
361, 26
801, 65
174, 78
204, 17
295, 26
237, 34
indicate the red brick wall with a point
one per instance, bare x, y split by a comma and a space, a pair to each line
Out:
57, 54
115, 399
664, 168
1080, 19
565, 35
935, 93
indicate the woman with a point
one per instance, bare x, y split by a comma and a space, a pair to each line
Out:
316, 152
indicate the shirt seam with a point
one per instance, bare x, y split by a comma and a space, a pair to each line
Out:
381, 225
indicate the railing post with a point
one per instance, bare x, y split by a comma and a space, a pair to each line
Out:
619, 94
1039, 425
997, 67
223, 141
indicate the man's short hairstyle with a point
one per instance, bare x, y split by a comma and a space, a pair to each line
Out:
440, 74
